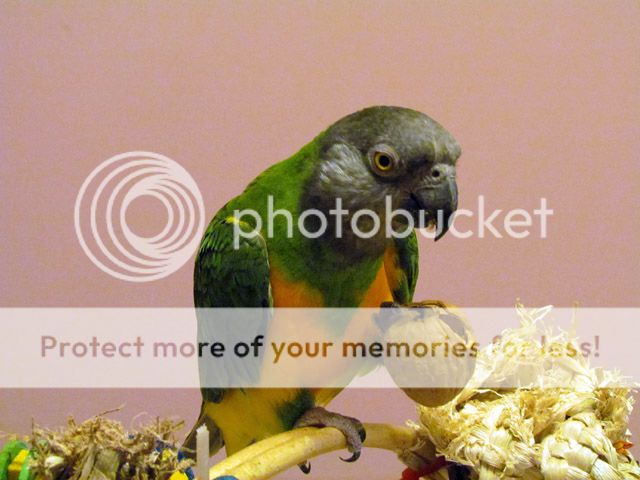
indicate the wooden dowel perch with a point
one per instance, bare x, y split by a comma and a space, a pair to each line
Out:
273, 455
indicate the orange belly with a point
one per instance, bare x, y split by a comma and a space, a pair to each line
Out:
379, 290
292, 294
297, 294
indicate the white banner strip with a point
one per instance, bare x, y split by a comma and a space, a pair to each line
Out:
435, 347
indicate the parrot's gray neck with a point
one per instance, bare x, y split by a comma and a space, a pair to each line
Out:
340, 190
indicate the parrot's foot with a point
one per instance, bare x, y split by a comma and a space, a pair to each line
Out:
386, 318
391, 312
351, 428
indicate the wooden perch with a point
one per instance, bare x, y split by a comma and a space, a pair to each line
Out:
273, 455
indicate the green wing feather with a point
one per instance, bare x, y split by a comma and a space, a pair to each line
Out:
227, 277
407, 263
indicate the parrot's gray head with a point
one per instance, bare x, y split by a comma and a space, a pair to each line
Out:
387, 155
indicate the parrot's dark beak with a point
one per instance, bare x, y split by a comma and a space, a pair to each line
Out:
437, 197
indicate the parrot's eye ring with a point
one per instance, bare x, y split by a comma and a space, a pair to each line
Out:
383, 161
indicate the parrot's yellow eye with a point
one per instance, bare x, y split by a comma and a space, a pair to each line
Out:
383, 161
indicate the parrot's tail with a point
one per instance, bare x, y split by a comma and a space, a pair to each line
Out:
215, 437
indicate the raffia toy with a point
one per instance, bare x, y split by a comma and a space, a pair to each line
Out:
539, 432
578, 431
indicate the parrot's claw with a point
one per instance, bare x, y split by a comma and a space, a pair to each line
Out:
351, 428
390, 305
305, 467
352, 458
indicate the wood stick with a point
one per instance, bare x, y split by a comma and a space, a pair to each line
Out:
273, 455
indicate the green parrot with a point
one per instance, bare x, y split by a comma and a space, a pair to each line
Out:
376, 155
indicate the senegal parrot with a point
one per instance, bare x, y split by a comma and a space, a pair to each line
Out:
363, 159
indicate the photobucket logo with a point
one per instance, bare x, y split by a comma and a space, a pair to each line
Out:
101, 224
516, 223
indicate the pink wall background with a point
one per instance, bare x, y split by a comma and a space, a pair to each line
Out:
542, 96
